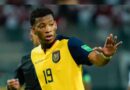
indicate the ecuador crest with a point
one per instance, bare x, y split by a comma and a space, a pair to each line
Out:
56, 56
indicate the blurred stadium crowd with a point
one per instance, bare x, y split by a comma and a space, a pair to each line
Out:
40, 2
91, 23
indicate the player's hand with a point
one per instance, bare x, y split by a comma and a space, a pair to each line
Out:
110, 46
13, 84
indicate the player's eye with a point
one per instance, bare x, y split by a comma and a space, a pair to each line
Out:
51, 24
41, 26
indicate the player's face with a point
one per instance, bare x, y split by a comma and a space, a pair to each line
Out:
45, 27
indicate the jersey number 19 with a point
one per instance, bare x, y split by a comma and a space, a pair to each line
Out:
48, 75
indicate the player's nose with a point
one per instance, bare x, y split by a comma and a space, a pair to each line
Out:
48, 29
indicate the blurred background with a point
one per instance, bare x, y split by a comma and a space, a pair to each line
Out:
90, 23
41, 2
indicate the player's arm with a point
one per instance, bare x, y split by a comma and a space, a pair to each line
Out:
102, 55
17, 82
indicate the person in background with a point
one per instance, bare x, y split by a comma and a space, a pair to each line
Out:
25, 73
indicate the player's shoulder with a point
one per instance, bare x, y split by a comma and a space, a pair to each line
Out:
72, 41
25, 58
75, 42
70, 38
61, 37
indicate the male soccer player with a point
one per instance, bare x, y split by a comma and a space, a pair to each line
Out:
57, 60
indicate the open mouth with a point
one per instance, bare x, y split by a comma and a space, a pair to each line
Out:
49, 37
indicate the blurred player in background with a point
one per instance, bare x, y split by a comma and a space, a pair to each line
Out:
34, 39
57, 60
25, 73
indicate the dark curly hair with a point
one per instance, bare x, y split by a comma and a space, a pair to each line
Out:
39, 12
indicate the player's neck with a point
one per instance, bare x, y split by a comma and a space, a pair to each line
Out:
47, 46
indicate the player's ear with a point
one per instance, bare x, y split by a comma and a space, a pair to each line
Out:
33, 30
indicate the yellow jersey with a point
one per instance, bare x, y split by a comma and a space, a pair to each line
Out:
59, 68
